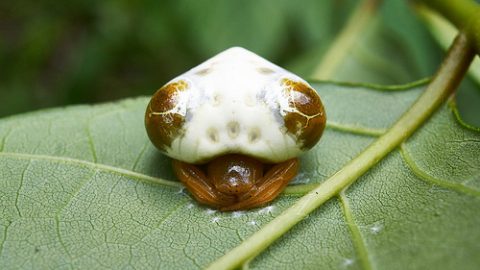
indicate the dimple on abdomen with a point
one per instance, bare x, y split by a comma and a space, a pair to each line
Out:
235, 132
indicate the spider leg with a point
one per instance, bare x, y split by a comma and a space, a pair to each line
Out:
200, 186
268, 187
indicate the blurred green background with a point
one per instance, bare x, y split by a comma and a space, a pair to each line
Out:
56, 53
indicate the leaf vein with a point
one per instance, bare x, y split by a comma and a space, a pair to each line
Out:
4, 139
355, 129
88, 164
60, 238
22, 178
90, 142
75, 193
433, 180
357, 239
5, 231
135, 164
162, 221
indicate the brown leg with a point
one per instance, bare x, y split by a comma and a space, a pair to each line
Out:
199, 186
267, 188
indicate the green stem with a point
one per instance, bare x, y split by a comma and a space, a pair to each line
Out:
443, 85
444, 32
346, 39
298, 190
464, 14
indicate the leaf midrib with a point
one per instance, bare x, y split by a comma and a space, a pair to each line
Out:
88, 164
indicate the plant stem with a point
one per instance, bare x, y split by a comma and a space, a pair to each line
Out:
444, 32
443, 84
299, 190
464, 14
349, 36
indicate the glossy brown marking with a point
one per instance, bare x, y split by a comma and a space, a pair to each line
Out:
235, 182
268, 187
307, 120
163, 124
200, 186
234, 174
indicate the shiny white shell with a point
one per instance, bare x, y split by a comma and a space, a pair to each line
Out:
234, 103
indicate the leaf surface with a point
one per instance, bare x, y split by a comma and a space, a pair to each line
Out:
76, 191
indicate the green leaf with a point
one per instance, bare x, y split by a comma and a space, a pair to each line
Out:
385, 43
468, 96
82, 187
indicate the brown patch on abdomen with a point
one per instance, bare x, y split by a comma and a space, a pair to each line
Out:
308, 119
162, 123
